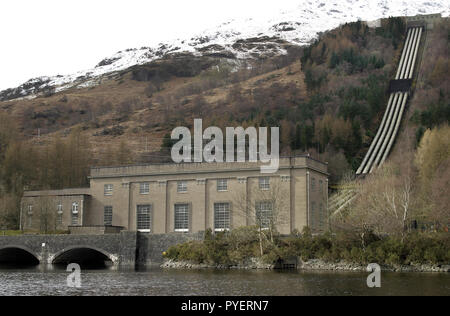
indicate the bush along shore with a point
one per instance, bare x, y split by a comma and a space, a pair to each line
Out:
251, 248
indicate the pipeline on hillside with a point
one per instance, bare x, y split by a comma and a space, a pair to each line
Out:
384, 139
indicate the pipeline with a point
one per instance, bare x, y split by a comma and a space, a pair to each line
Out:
382, 143
387, 131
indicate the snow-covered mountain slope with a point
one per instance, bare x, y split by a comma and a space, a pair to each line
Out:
242, 38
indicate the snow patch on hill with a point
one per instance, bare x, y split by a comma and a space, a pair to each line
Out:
240, 39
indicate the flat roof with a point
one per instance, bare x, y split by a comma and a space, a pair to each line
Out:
63, 192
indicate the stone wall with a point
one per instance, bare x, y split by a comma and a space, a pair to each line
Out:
151, 246
124, 249
94, 230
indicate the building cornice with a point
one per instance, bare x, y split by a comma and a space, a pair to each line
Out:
184, 172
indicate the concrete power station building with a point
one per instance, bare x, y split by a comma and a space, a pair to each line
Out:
186, 197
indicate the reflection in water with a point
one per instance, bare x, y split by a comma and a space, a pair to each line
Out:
51, 280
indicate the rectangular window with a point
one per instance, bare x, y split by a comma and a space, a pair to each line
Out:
144, 188
264, 214
221, 216
222, 185
144, 218
313, 184
313, 215
182, 186
30, 209
74, 221
29, 220
320, 186
59, 219
182, 217
108, 189
59, 208
264, 183
322, 215
108, 216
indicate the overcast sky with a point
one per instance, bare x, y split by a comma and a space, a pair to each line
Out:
50, 37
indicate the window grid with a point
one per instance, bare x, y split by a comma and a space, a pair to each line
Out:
182, 186
108, 189
321, 215
74, 217
59, 208
108, 216
59, 219
222, 216
74, 220
313, 215
75, 208
144, 217
264, 183
222, 185
144, 188
264, 213
182, 217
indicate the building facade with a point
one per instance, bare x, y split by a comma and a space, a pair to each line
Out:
190, 197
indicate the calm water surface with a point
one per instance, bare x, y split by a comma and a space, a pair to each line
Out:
52, 281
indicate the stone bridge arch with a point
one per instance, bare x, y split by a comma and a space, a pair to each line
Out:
16, 253
72, 254
119, 248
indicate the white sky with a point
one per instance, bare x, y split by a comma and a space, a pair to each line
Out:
50, 37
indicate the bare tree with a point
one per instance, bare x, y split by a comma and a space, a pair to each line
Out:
384, 204
266, 208
46, 214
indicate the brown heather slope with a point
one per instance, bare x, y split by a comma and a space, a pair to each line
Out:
327, 99
122, 109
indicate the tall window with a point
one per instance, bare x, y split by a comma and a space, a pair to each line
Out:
144, 218
74, 220
59, 214
320, 186
181, 217
264, 183
221, 216
108, 189
108, 216
144, 188
182, 186
59, 219
322, 215
264, 213
313, 184
313, 215
30, 215
222, 185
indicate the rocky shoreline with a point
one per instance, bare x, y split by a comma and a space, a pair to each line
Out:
310, 265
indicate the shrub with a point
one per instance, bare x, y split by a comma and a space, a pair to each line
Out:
239, 245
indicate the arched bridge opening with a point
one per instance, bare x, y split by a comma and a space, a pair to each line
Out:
86, 257
17, 257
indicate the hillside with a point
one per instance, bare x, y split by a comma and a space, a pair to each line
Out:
238, 39
328, 99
